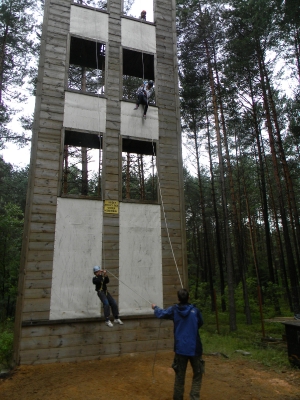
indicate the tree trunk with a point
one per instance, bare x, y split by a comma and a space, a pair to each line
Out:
141, 176
2, 59
291, 201
265, 210
297, 51
84, 171
236, 223
229, 261
218, 229
279, 245
66, 167
288, 247
204, 222
128, 176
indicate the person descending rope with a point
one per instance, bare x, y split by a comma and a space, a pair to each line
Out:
100, 281
143, 94
187, 343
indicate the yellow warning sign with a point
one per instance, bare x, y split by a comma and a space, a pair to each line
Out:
111, 207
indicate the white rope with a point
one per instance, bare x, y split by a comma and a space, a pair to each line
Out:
130, 287
100, 169
165, 218
99, 120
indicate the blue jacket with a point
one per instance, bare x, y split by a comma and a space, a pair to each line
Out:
187, 321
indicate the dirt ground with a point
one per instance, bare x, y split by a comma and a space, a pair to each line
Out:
148, 377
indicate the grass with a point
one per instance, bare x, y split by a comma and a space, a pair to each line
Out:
247, 338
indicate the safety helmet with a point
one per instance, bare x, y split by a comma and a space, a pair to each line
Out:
150, 83
97, 268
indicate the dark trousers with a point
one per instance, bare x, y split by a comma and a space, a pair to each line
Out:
142, 99
179, 366
108, 301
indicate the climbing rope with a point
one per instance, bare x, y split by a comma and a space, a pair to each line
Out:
143, 66
163, 209
166, 223
129, 287
99, 120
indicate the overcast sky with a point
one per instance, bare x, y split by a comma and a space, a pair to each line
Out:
21, 156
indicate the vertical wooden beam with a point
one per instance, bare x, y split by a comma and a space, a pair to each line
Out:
46, 131
170, 138
111, 142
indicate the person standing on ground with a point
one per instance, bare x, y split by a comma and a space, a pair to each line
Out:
143, 95
187, 343
100, 281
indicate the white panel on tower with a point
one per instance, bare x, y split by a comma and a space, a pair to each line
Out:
84, 112
140, 270
95, 28
138, 36
133, 123
77, 248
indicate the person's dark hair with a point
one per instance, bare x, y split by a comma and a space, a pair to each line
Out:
183, 296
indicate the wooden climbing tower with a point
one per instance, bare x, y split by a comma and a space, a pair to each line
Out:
106, 185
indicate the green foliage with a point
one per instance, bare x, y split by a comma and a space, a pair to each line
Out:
200, 295
6, 343
233, 107
18, 54
93, 79
13, 185
79, 178
139, 180
252, 292
130, 86
11, 230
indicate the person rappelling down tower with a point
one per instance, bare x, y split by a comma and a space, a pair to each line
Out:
144, 93
100, 281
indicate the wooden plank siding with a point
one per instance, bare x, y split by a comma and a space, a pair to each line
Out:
44, 168
110, 244
77, 341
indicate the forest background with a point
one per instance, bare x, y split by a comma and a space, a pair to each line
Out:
239, 76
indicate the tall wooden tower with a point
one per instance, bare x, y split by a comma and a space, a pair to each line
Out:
105, 186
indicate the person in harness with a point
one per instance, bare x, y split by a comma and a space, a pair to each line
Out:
187, 320
100, 281
143, 93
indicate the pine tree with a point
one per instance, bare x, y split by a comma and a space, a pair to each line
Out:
18, 51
